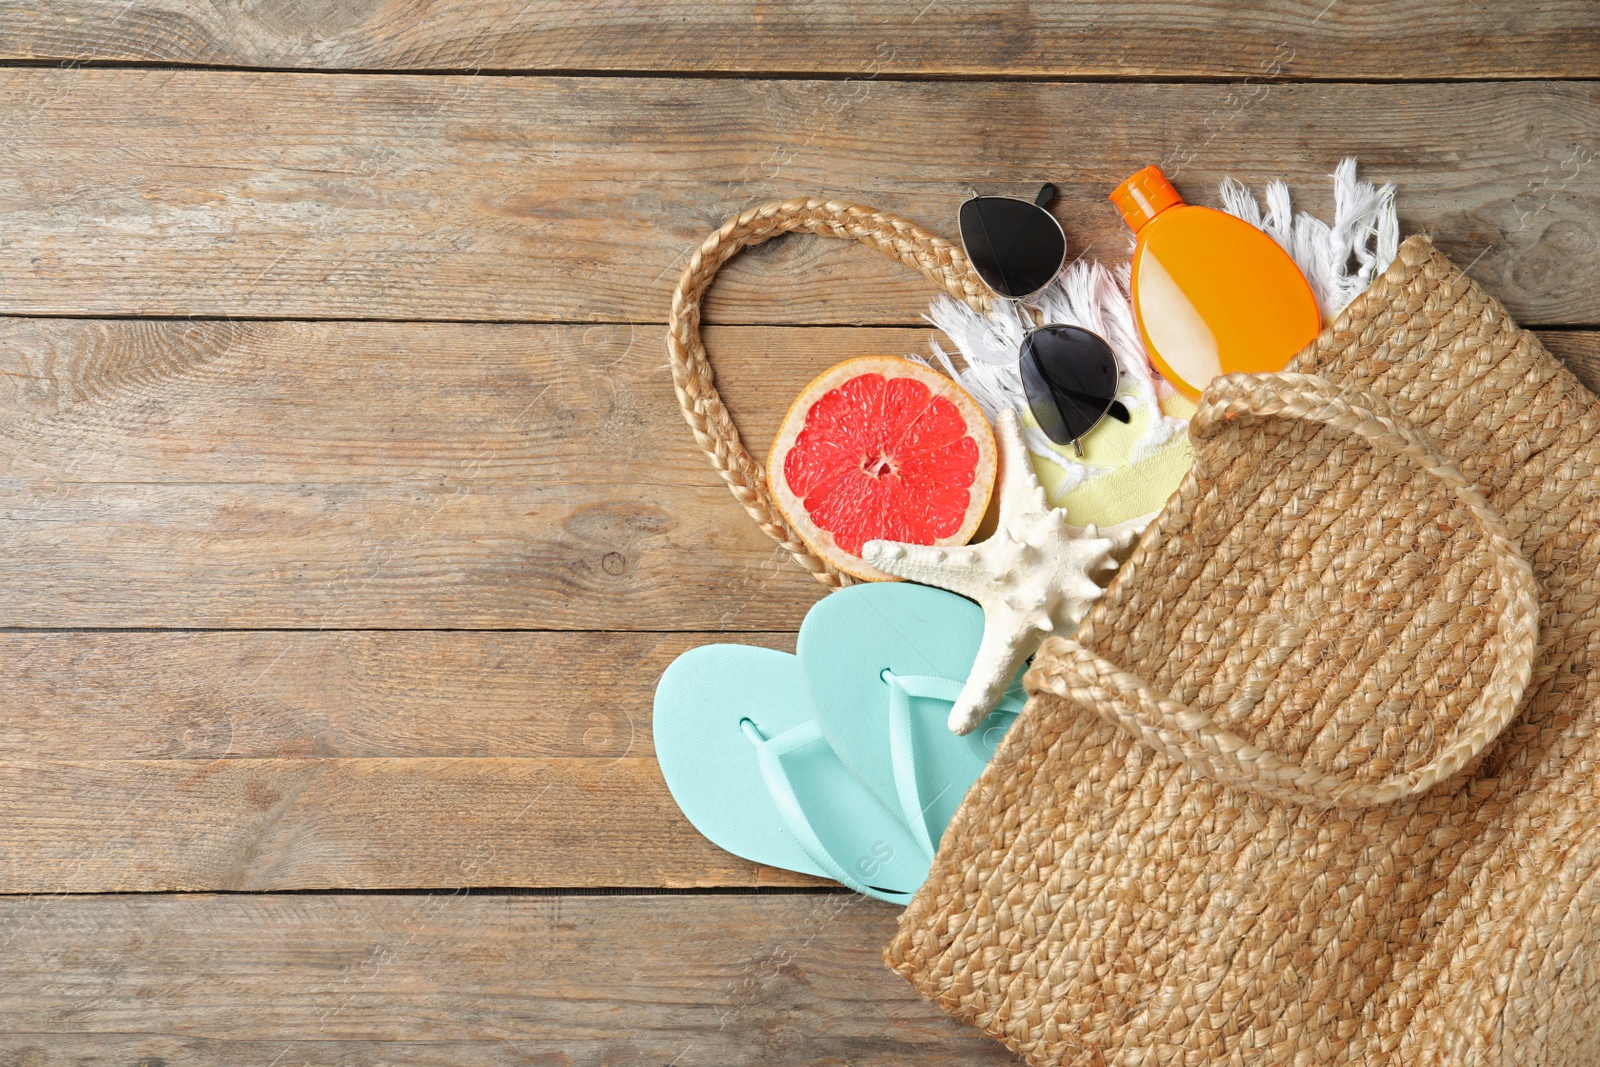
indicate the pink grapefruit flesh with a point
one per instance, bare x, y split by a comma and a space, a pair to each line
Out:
881, 448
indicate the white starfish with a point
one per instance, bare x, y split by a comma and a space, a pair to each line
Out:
1032, 578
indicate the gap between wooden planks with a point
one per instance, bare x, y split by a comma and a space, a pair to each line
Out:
266, 195
264, 824
1135, 39
269, 760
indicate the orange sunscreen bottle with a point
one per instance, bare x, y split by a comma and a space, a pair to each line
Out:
1212, 294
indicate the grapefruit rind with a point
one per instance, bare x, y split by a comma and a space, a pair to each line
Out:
792, 507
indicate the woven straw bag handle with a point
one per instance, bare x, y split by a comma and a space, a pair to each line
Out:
942, 262
1071, 670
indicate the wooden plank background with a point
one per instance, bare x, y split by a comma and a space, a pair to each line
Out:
559, 199
1145, 39
348, 518
446, 978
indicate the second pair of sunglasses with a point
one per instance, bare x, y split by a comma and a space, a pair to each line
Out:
1069, 374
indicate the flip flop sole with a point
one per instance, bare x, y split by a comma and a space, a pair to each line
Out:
716, 706
710, 765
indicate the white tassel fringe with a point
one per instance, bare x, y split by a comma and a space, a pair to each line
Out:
1340, 260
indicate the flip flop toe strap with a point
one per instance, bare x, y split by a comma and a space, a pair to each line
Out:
902, 745
770, 753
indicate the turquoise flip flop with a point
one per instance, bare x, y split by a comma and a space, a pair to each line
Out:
746, 762
883, 663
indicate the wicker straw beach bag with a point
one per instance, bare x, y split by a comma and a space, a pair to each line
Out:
1316, 781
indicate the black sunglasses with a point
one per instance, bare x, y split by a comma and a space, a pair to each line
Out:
1015, 245
1069, 374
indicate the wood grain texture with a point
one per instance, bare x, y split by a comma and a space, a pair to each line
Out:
266, 824
171, 192
338, 694
1138, 38
1579, 350
326, 475
138, 761
462, 980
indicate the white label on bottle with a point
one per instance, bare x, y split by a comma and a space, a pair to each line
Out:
1174, 327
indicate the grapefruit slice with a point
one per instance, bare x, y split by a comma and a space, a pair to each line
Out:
881, 448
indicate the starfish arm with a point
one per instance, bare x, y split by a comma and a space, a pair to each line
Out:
1007, 642
1020, 491
955, 569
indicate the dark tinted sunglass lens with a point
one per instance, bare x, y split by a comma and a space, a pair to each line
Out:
1040, 401
1016, 247
1070, 377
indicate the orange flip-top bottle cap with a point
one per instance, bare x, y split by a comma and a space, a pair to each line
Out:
1144, 196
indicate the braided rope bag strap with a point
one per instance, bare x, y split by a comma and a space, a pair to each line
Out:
1070, 670
942, 262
